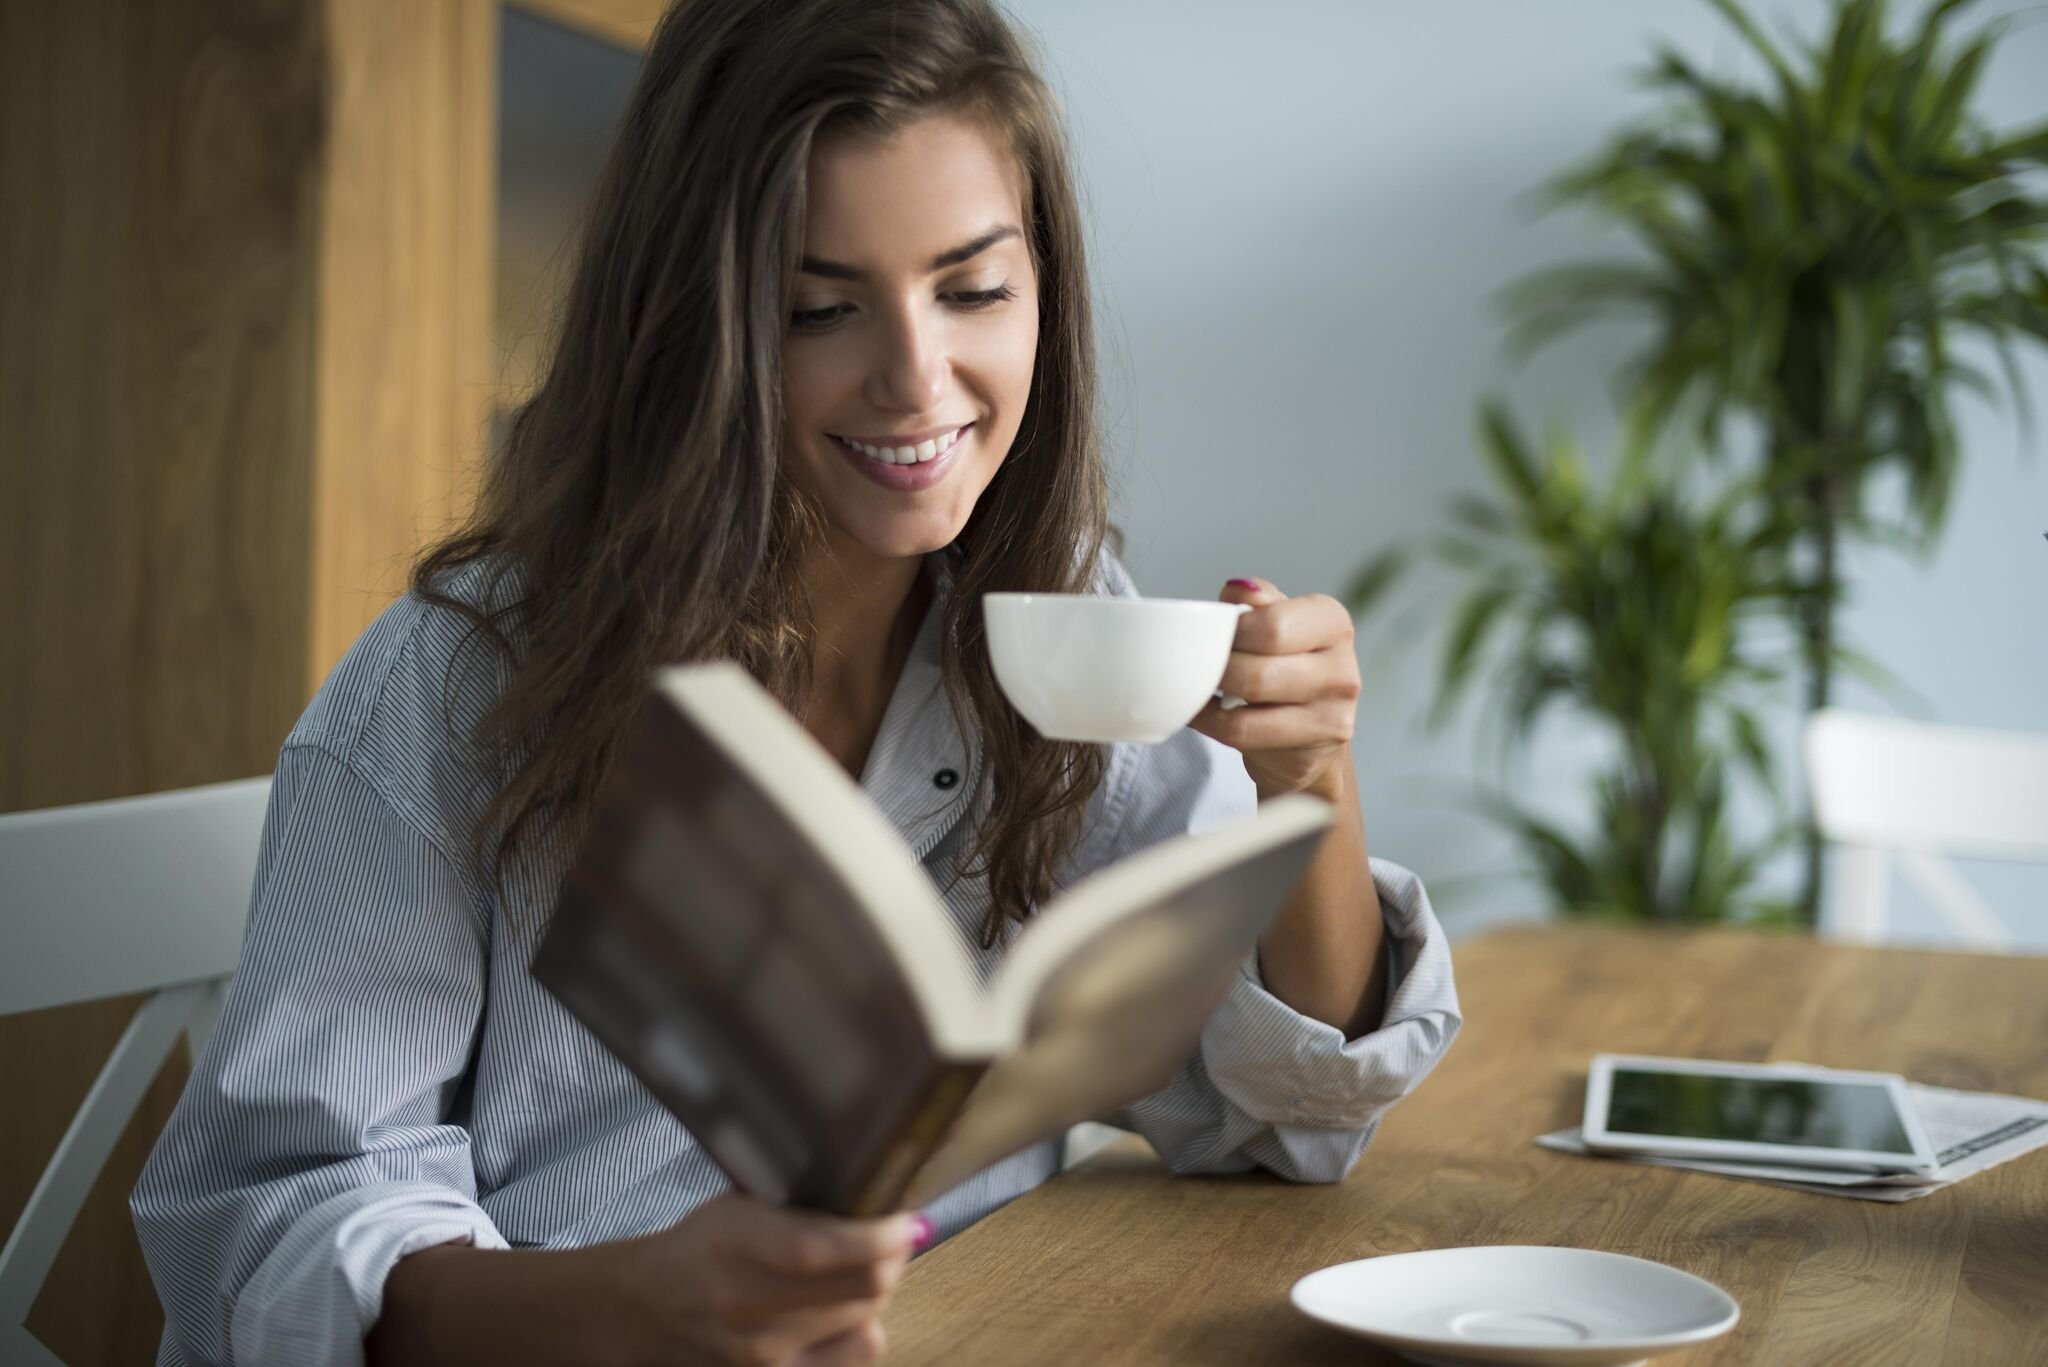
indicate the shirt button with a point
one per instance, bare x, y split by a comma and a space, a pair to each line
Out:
945, 778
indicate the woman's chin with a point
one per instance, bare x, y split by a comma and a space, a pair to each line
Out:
899, 538
910, 546
911, 527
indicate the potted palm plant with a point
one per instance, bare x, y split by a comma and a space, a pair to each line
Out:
1812, 251
1627, 600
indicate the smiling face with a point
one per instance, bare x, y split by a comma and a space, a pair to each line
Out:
913, 332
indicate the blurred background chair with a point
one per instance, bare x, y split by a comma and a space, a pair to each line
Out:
1888, 789
143, 894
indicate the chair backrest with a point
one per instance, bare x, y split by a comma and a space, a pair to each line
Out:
143, 894
1886, 788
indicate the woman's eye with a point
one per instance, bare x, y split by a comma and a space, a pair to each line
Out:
981, 299
972, 301
809, 319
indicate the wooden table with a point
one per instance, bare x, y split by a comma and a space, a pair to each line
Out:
1117, 1262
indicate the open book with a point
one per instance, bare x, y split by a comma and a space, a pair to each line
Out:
750, 935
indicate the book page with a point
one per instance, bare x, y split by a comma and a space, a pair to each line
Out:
813, 803
1121, 1012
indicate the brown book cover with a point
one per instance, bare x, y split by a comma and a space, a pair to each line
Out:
747, 932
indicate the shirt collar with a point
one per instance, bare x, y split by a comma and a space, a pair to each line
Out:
920, 741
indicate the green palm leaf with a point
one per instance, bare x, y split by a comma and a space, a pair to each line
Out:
1805, 249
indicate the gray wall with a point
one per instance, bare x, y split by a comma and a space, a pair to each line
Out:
1300, 212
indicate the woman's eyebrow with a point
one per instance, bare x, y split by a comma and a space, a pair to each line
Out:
833, 270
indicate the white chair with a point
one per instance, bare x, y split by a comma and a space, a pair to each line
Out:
143, 894
1887, 788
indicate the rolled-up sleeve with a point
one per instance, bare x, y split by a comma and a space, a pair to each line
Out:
312, 1147
1270, 1087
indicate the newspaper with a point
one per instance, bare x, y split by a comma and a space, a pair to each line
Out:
1969, 1132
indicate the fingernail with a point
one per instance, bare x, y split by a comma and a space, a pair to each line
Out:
1251, 584
921, 1231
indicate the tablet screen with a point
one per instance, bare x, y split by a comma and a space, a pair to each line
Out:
1811, 1112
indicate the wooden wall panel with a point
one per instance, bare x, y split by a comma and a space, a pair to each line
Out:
157, 214
158, 210
405, 378
245, 255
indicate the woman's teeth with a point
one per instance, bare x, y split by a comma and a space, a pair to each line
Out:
930, 449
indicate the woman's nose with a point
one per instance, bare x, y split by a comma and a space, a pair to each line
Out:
910, 373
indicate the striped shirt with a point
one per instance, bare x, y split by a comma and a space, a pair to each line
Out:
386, 1074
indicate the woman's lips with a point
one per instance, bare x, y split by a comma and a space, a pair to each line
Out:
904, 478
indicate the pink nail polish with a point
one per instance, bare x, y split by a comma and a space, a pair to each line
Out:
1251, 584
921, 1231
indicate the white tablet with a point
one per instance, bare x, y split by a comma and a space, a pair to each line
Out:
1754, 1112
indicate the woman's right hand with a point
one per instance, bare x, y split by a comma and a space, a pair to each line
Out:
735, 1281
741, 1281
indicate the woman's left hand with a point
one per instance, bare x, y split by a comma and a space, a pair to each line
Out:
1294, 665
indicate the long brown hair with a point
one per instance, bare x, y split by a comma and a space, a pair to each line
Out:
638, 514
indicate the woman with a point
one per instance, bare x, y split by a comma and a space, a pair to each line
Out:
825, 377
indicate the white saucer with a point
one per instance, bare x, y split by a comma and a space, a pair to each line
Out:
1553, 1307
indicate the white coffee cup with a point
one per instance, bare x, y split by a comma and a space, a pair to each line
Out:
1088, 668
